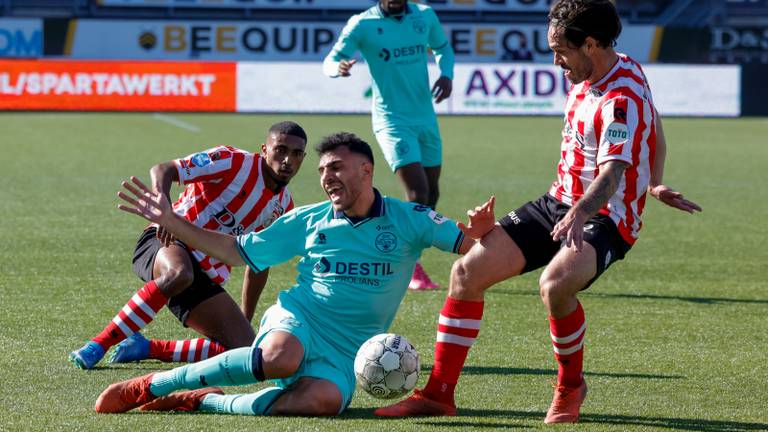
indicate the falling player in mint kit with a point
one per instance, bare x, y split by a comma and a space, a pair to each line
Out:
394, 37
357, 251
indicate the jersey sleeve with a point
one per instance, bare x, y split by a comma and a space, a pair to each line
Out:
213, 164
620, 123
443, 51
277, 243
344, 48
437, 230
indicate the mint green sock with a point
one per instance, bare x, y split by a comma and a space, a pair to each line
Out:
230, 368
259, 403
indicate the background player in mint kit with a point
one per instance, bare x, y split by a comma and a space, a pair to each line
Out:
612, 155
229, 190
394, 38
357, 253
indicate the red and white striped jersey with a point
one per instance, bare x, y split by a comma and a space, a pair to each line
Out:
612, 119
225, 192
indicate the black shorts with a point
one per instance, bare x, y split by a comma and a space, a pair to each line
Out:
202, 287
530, 227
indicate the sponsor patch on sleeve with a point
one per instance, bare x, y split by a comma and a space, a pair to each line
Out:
436, 217
617, 133
201, 160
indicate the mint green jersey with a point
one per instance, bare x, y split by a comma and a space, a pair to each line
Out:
396, 50
353, 273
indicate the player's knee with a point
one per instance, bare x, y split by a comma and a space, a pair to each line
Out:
281, 359
462, 284
550, 289
324, 405
175, 280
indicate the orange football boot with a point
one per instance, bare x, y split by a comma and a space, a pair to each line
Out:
181, 401
125, 395
417, 405
566, 404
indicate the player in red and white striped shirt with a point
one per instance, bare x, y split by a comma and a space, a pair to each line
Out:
612, 154
227, 190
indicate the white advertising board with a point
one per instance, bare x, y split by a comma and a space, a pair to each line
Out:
21, 37
305, 41
482, 5
480, 89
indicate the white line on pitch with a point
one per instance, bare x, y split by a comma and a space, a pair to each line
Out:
176, 122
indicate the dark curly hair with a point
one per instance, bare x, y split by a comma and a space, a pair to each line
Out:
584, 18
288, 128
350, 140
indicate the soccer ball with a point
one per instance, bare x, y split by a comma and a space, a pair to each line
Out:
387, 366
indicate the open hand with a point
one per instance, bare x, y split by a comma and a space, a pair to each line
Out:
152, 206
571, 229
481, 220
674, 199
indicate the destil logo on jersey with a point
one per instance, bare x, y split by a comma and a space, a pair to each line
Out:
357, 273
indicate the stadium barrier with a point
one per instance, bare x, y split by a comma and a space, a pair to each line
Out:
256, 40
453, 5
117, 86
301, 87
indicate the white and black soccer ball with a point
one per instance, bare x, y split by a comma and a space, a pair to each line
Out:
387, 366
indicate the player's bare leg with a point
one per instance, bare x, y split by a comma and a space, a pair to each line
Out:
220, 319
309, 397
416, 185
172, 273
567, 273
413, 178
495, 258
433, 181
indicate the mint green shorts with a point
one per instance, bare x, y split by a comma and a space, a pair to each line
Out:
320, 359
403, 145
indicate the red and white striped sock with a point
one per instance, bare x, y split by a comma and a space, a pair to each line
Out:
568, 342
190, 350
457, 329
134, 316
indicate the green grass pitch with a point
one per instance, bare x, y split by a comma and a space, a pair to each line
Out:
677, 335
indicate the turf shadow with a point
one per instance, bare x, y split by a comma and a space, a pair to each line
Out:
500, 370
699, 300
673, 423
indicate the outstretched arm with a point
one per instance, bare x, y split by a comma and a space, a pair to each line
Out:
571, 226
154, 207
481, 222
656, 187
162, 177
253, 285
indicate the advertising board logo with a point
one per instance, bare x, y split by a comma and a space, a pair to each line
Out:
147, 40
386, 242
21, 38
278, 39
